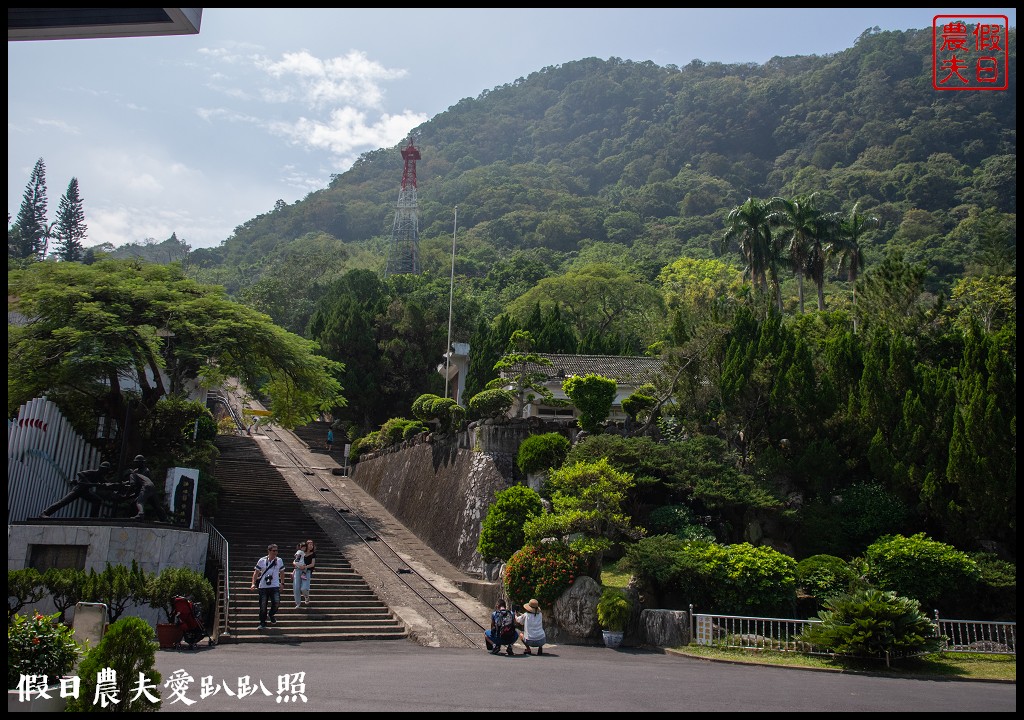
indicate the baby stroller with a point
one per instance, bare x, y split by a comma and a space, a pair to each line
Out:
188, 616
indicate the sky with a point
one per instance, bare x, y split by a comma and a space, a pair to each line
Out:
197, 134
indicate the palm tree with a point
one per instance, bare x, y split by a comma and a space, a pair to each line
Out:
800, 222
846, 248
826, 230
748, 225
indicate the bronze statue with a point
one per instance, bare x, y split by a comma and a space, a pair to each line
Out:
145, 491
87, 485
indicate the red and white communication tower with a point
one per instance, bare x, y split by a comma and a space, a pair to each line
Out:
404, 251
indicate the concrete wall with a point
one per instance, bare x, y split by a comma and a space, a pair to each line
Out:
440, 487
152, 548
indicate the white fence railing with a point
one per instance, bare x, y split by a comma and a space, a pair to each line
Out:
978, 636
783, 635
44, 454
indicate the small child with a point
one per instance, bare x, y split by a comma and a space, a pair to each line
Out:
299, 575
299, 561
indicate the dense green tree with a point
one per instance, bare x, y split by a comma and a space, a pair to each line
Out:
893, 296
70, 230
89, 326
487, 345
599, 298
344, 325
550, 333
982, 466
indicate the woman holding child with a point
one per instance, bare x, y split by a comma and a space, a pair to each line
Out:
310, 562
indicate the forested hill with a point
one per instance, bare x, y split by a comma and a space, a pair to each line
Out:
652, 159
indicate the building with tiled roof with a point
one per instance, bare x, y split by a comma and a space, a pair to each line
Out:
629, 373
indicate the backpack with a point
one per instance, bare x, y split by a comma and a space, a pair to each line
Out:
506, 624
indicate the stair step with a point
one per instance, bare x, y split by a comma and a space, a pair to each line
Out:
256, 497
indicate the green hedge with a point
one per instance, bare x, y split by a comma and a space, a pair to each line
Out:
727, 579
539, 453
501, 532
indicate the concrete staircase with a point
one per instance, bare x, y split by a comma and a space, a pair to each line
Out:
256, 508
315, 436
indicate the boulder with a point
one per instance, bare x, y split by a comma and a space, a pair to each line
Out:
664, 628
575, 612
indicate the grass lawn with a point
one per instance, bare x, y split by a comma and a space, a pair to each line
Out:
949, 665
972, 666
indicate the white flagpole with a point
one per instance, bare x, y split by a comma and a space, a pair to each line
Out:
451, 299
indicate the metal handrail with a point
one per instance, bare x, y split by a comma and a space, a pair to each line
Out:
219, 548
234, 413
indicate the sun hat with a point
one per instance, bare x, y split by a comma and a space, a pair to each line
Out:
532, 606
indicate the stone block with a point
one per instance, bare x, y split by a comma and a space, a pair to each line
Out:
664, 628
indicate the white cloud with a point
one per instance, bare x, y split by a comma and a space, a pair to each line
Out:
347, 129
339, 98
59, 125
353, 78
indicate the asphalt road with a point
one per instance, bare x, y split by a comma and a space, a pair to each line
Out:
403, 676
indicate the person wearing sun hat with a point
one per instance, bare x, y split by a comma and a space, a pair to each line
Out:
532, 623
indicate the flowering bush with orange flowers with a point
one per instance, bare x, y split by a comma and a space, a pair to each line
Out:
543, 572
39, 645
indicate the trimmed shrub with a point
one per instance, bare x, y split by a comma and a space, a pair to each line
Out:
396, 430
117, 587
593, 396
639, 402
66, 587
538, 453
933, 573
414, 428
490, 403
366, 444
873, 623
996, 596
445, 411
543, 572
824, 576
24, 587
501, 532
128, 648
421, 406
847, 523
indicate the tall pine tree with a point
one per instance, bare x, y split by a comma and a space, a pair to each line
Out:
33, 230
71, 228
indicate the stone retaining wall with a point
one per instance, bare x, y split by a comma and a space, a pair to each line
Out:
440, 487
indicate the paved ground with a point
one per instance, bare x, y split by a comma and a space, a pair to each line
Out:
402, 676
